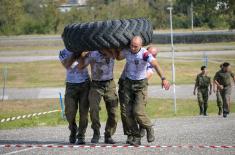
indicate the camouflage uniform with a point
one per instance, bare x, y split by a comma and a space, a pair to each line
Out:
107, 90
76, 97
202, 83
218, 99
74, 94
121, 95
102, 86
224, 79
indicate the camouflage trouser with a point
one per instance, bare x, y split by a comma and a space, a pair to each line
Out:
225, 95
218, 99
107, 90
121, 94
202, 96
76, 96
135, 99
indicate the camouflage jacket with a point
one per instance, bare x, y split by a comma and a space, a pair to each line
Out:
203, 81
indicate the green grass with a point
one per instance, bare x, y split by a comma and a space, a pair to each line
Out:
52, 73
156, 108
35, 74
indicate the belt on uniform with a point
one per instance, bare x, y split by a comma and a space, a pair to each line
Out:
226, 86
135, 81
102, 81
202, 87
75, 84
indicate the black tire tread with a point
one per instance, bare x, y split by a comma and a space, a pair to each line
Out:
106, 34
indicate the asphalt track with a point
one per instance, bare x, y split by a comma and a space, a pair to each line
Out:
188, 135
186, 55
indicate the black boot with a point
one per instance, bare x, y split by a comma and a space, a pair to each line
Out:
205, 111
201, 110
220, 111
96, 136
73, 132
72, 138
136, 141
150, 134
129, 139
81, 139
225, 113
142, 132
108, 140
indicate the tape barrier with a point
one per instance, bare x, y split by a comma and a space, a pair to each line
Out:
116, 146
27, 116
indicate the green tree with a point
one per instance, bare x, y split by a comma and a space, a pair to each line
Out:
11, 12
159, 13
207, 13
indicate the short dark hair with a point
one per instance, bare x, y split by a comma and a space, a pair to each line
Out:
226, 64
221, 65
203, 68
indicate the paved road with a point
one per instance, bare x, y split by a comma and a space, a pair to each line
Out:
212, 130
58, 37
182, 92
178, 55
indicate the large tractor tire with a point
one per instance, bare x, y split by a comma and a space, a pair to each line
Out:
110, 34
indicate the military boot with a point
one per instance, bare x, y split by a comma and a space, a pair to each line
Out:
201, 110
150, 134
224, 115
73, 132
81, 139
220, 111
205, 111
136, 141
142, 132
108, 140
129, 139
96, 136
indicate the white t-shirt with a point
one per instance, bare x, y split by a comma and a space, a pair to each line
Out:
101, 67
149, 70
73, 74
137, 63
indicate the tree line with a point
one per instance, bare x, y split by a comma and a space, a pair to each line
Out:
43, 16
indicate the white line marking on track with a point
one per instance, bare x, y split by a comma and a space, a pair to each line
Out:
14, 152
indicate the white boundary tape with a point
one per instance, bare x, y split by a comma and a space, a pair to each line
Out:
27, 116
115, 146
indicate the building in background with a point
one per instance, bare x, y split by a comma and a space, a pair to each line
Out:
72, 3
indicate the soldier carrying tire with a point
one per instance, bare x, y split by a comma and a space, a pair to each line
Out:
106, 41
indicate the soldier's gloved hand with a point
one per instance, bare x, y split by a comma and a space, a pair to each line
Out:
166, 84
210, 92
194, 93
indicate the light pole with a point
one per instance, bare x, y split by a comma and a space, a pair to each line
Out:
4, 82
173, 61
191, 10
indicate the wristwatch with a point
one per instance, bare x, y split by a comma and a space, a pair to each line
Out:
163, 78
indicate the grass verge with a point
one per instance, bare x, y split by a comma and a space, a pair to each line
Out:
156, 108
52, 74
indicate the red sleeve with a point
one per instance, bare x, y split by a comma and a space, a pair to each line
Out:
146, 56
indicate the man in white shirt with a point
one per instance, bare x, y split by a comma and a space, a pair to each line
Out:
102, 86
76, 96
135, 88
